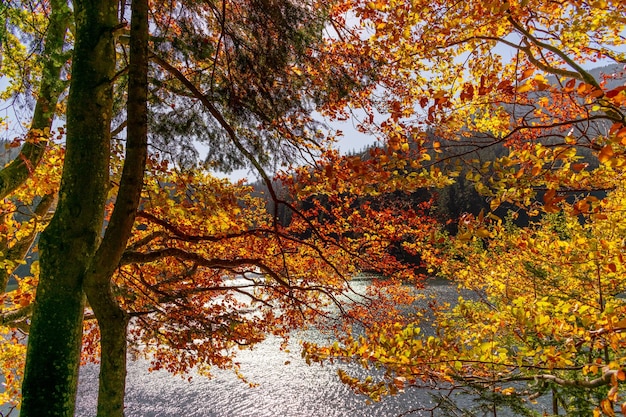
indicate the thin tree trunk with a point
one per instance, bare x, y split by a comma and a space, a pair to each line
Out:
14, 174
112, 382
20, 249
70, 240
112, 320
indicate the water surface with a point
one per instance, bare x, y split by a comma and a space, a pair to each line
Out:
287, 386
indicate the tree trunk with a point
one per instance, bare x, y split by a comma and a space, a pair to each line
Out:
112, 382
70, 240
13, 175
112, 320
21, 247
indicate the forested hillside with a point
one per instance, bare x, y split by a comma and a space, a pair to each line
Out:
451, 202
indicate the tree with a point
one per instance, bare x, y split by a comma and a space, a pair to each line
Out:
189, 237
50, 62
244, 77
558, 283
513, 74
545, 307
24, 215
68, 244
503, 83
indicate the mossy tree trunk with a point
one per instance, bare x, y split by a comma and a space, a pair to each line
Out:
53, 60
14, 174
69, 243
112, 320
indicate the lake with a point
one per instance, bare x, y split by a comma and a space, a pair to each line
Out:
287, 387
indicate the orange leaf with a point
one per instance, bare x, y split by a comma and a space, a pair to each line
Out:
607, 407
468, 92
612, 93
527, 73
596, 93
584, 89
605, 154
621, 135
536, 170
615, 127
504, 86
549, 196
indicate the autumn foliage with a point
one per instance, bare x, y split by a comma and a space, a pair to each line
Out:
200, 267
500, 94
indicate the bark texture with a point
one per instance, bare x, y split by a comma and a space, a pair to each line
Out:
69, 243
13, 175
112, 320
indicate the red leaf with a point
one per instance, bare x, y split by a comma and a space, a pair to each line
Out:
612, 93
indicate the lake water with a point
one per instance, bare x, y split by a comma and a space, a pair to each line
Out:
288, 387
290, 390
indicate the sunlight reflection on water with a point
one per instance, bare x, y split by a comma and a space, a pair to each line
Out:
287, 387
291, 390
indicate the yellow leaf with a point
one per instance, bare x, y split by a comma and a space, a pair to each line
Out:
524, 88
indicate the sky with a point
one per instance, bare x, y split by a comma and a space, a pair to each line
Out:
351, 141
